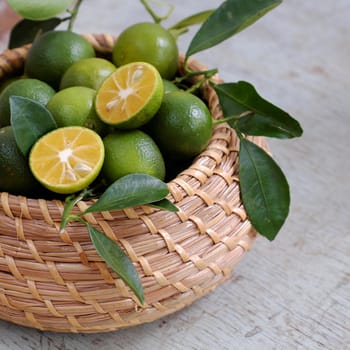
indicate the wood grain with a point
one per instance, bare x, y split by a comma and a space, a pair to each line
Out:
292, 293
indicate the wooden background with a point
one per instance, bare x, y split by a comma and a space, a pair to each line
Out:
293, 293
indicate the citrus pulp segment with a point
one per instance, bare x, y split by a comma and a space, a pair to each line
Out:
67, 159
130, 96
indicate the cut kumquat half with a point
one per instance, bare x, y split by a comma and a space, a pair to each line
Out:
68, 159
130, 96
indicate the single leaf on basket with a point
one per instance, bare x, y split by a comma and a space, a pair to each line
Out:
26, 31
130, 190
30, 120
266, 119
117, 260
264, 189
165, 204
229, 19
69, 204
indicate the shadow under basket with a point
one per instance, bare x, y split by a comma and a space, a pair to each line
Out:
58, 282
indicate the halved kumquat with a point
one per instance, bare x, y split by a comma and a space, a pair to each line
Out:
130, 96
67, 159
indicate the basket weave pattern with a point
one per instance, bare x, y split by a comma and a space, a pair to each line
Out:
58, 282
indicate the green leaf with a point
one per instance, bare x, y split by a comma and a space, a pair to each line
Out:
228, 19
117, 260
197, 18
266, 119
264, 189
165, 204
30, 120
26, 31
130, 190
69, 204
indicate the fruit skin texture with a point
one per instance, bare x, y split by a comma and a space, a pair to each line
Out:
89, 72
131, 151
75, 106
169, 86
53, 53
5, 83
182, 127
39, 10
148, 42
30, 88
16, 177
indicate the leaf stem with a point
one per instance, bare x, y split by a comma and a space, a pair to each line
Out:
69, 218
190, 74
177, 32
196, 86
234, 117
157, 18
70, 202
74, 14
207, 75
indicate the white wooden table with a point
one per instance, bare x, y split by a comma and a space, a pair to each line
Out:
293, 293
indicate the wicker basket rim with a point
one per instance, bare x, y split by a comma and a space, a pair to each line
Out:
56, 281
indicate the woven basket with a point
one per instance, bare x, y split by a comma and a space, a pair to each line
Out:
58, 282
